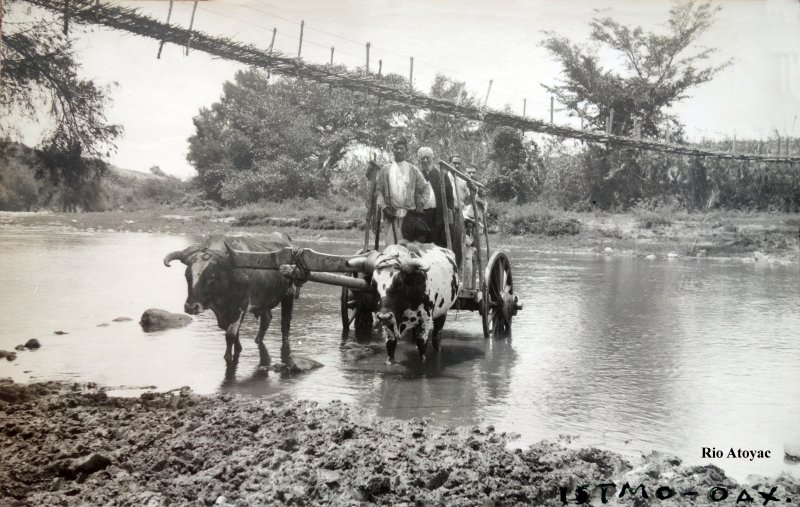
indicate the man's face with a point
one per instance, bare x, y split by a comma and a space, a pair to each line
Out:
399, 151
425, 162
456, 162
471, 171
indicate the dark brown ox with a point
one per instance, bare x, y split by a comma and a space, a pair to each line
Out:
230, 293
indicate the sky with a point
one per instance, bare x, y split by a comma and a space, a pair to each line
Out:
471, 41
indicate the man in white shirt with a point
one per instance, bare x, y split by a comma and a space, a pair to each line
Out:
434, 207
400, 187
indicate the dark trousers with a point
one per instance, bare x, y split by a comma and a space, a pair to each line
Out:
436, 225
437, 236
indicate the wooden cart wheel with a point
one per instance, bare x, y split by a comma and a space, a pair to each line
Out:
355, 309
499, 304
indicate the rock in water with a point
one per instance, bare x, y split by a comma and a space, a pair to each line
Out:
297, 364
760, 256
356, 351
33, 343
121, 319
154, 319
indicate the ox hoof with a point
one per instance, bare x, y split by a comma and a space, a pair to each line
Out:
423, 358
389, 361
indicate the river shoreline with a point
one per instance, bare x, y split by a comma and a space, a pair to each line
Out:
75, 445
771, 238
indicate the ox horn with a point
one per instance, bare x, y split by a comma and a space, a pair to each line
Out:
360, 263
414, 265
173, 256
181, 255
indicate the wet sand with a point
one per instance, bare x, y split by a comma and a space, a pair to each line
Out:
75, 445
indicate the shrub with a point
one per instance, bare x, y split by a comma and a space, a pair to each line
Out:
537, 220
651, 214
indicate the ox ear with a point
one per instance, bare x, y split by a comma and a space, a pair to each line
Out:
411, 265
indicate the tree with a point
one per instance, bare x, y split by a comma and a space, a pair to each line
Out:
653, 71
515, 167
656, 70
449, 135
41, 75
284, 138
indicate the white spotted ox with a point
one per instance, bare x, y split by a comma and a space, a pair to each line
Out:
417, 285
231, 293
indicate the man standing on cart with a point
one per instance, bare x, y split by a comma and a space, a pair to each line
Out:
401, 187
434, 208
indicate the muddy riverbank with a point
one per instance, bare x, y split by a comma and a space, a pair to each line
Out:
75, 445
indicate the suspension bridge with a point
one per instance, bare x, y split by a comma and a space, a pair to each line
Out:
133, 21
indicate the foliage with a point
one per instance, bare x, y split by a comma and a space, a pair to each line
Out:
656, 70
157, 171
659, 69
40, 74
563, 183
285, 138
515, 168
117, 189
535, 219
653, 214
448, 135
19, 190
571, 181
122, 191
330, 212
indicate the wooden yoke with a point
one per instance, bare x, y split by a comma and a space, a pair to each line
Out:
317, 267
312, 260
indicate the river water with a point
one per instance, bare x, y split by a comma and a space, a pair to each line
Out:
623, 353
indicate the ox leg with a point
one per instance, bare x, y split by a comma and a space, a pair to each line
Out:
391, 345
232, 339
422, 344
438, 324
287, 305
265, 317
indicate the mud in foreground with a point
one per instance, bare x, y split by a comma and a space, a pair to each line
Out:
75, 445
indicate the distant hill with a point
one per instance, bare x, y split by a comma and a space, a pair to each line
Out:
121, 188
136, 175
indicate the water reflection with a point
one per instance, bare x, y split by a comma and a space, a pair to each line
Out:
258, 375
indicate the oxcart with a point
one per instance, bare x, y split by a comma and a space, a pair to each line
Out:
493, 297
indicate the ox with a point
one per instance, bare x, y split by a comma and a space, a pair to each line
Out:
231, 293
417, 285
